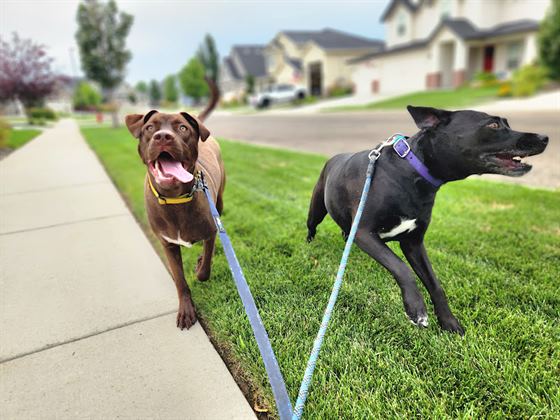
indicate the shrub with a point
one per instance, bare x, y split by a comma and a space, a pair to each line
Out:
107, 107
505, 90
528, 79
5, 130
38, 116
233, 103
86, 97
486, 79
339, 90
549, 40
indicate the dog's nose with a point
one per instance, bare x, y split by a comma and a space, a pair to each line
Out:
163, 135
544, 139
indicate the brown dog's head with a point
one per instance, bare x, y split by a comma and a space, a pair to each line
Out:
168, 145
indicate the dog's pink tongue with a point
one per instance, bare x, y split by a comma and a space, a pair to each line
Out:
174, 168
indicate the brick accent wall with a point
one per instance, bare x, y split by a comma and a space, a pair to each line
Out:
433, 80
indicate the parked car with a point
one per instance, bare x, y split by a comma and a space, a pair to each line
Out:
277, 94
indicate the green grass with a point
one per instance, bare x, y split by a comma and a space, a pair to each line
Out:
18, 138
448, 99
496, 248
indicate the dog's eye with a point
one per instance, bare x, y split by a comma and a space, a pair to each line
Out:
183, 127
493, 125
149, 127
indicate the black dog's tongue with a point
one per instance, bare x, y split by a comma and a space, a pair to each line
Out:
175, 168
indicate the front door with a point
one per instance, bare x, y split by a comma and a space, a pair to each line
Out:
315, 79
488, 65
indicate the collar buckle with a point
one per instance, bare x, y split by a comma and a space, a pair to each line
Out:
401, 147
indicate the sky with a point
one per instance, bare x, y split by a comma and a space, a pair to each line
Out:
166, 33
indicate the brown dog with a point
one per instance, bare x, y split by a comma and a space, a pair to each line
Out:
176, 148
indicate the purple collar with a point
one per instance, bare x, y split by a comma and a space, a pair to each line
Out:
402, 148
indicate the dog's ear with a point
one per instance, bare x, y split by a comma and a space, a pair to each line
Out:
203, 132
134, 122
426, 117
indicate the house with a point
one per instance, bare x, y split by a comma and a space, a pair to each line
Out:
242, 62
315, 59
444, 43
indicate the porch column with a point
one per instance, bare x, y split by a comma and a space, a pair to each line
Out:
433, 77
460, 62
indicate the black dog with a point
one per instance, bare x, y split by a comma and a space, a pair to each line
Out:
449, 146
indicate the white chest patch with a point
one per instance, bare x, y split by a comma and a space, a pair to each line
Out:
404, 226
177, 241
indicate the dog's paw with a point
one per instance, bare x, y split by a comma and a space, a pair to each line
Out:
202, 273
310, 235
415, 309
186, 316
420, 321
451, 324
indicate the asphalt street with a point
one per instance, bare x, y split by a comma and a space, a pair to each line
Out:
332, 133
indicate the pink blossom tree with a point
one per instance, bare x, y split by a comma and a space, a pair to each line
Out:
25, 72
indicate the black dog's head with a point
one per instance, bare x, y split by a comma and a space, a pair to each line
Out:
168, 145
464, 143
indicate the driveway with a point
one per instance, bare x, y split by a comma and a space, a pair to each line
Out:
333, 133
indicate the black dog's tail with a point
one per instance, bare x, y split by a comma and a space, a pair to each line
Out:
214, 98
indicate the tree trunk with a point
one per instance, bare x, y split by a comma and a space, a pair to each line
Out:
109, 95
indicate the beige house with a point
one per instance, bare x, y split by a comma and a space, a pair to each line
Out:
443, 43
316, 60
243, 61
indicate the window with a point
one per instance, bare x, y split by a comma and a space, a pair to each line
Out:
401, 24
514, 55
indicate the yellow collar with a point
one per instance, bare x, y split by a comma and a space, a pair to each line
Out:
185, 198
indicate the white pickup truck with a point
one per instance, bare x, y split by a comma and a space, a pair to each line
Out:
277, 94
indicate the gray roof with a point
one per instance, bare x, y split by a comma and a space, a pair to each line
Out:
332, 39
232, 69
249, 61
463, 28
391, 6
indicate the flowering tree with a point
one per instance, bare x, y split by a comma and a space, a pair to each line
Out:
25, 72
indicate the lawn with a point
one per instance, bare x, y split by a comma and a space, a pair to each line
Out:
18, 138
496, 248
448, 99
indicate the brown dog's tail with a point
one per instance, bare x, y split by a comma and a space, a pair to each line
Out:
214, 98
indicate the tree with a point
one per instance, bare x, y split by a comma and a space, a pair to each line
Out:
192, 79
170, 91
25, 72
549, 40
250, 84
155, 93
208, 56
86, 97
101, 38
141, 87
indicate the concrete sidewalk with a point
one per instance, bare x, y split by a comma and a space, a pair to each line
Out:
87, 309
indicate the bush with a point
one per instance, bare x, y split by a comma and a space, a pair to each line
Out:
549, 40
86, 97
5, 130
38, 116
486, 79
528, 79
107, 107
339, 90
233, 103
505, 90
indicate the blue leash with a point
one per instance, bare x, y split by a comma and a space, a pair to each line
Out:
271, 364
275, 378
306, 382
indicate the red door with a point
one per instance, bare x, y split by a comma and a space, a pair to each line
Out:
488, 59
